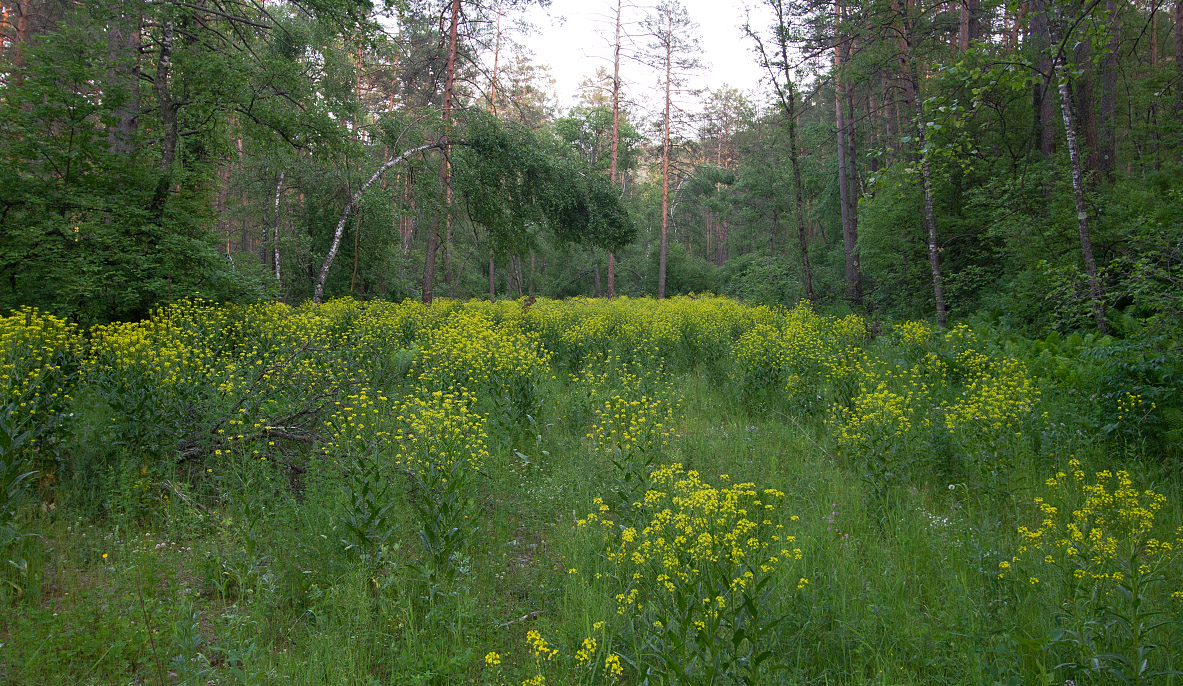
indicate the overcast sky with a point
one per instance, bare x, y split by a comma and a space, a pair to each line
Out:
575, 36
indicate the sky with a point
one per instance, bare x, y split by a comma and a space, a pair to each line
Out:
575, 36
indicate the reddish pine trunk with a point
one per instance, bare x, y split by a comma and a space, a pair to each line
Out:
1085, 113
1179, 53
1045, 123
20, 41
615, 137
665, 168
969, 23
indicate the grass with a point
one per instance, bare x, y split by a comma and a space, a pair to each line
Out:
238, 574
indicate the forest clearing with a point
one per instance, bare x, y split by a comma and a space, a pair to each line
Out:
590, 491
611, 342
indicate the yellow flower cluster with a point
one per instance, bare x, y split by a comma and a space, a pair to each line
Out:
1099, 531
612, 666
469, 351
37, 353
913, 333
797, 352
632, 427
997, 398
356, 423
884, 409
1132, 407
540, 646
438, 429
698, 539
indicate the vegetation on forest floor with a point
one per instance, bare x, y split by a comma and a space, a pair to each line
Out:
585, 491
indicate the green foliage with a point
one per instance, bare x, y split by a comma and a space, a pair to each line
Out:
510, 178
684, 273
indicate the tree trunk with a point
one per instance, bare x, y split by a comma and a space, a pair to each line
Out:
1179, 58
1086, 116
492, 280
1041, 41
318, 289
496, 59
275, 231
20, 42
445, 171
1152, 114
930, 224
615, 137
665, 168
799, 193
123, 54
168, 109
1097, 296
1106, 126
845, 191
969, 23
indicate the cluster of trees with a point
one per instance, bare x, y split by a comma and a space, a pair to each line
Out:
910, 157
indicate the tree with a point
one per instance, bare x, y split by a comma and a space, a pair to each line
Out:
674, 46
848, 187
1096, 292
775, 61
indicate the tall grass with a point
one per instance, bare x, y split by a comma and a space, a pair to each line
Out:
471, 493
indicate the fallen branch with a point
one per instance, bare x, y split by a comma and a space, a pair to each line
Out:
318, 291
524, 618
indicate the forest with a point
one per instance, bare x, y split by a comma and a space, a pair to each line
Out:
341, 343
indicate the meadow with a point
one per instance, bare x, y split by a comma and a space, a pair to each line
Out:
627, 491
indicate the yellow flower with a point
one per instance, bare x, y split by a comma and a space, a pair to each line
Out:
612, 666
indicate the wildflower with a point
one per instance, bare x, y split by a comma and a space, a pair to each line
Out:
612, 666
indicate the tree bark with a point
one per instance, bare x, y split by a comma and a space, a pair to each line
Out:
1086, 116
1041, 41
845, 191
799, 194
1096, 294
1179, 56
665, 168
930, 224
168, 109
123, 54
969, 23
615, 137
492, 279
20, 42
496, 59
1106, 126
318, 289
445, 171
275, 229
